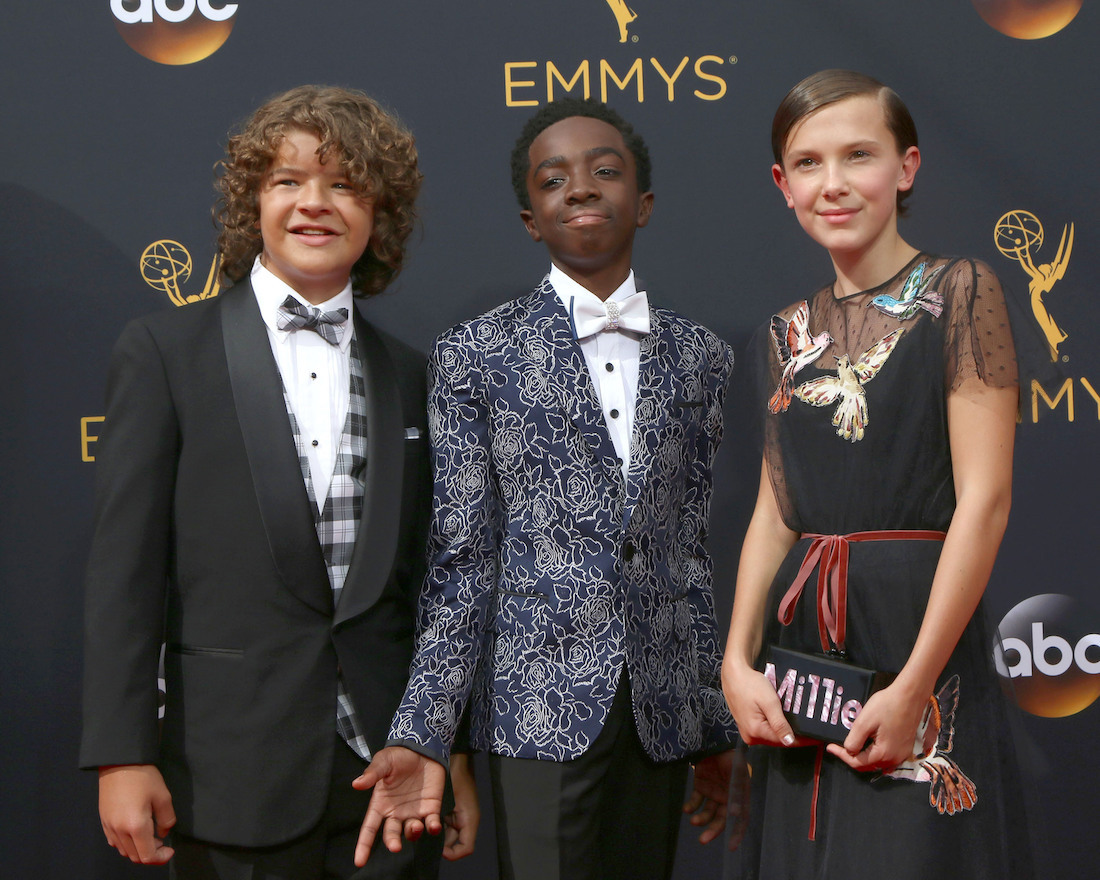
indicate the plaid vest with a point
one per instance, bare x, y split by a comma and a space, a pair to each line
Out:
338, 523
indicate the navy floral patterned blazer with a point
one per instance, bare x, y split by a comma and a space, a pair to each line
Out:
547, 570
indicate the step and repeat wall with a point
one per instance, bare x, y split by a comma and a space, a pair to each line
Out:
115, 111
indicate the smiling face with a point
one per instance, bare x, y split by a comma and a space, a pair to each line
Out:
841, 173
585, 203
314, 225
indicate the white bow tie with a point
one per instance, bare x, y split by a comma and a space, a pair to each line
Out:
591, 316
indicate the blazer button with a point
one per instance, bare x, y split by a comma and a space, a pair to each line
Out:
628, 551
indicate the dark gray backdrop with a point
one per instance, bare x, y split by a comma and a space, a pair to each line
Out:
105, 152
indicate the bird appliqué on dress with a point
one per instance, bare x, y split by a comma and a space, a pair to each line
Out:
950, 790
914, 296
850, 417
795, 347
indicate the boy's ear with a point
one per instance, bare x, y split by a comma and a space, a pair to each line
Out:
528, 218
781, 181
645, 208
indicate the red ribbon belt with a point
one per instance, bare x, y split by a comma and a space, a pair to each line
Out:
831, 551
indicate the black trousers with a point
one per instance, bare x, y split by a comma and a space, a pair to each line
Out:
324, 853
611, 813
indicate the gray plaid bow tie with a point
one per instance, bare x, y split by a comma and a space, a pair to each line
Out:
329, 326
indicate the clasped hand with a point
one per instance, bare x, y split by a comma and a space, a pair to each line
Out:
881, 737
883, 734
135, 809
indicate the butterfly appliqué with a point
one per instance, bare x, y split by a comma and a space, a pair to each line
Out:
850, 418
795, 347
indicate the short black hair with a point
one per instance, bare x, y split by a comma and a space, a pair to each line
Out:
556, 111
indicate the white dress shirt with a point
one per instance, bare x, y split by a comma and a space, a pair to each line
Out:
315, 374
612, 358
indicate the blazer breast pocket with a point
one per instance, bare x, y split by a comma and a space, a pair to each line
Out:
204, 651
689, 413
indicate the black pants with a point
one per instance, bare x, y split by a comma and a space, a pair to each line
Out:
325, 852
611, 813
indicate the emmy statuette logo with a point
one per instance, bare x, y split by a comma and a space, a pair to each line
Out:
1017, 235
174, 31
166, 265
624, 15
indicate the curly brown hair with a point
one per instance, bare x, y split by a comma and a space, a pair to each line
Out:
375, 150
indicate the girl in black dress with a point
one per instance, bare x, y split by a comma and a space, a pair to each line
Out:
890, 399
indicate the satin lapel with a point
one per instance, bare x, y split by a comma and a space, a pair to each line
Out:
656, 369
376, 540
269, 443
568, 379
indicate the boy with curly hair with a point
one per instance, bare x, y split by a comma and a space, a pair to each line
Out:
261, 509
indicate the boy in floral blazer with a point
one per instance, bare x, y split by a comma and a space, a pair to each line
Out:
568, 601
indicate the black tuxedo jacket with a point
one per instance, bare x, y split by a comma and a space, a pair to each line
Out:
204, 542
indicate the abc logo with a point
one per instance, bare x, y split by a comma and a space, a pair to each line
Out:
174, 31
1032, 20
1050, 651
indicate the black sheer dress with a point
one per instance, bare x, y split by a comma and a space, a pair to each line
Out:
856, 440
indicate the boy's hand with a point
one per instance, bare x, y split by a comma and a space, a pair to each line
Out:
737, 809
721, 790
462, 822
135, 809
710, 791
407, 798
